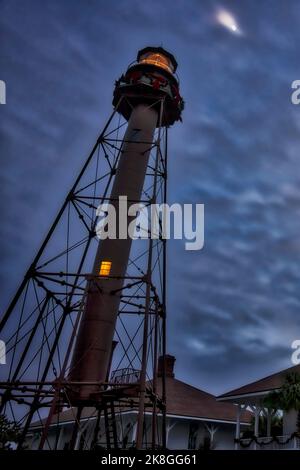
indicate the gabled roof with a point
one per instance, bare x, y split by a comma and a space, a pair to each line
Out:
271, 382
185, 400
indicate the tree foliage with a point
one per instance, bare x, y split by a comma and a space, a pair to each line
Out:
288, 396
9, 432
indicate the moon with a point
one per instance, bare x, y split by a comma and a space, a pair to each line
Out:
227, 20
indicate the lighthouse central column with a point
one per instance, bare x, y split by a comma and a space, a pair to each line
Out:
94, 341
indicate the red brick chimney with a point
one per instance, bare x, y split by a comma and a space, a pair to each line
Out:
169, 366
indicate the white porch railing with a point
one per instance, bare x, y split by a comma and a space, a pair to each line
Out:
267, 443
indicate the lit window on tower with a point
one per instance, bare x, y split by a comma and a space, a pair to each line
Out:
105, 268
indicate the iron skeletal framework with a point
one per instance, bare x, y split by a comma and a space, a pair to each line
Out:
44, 320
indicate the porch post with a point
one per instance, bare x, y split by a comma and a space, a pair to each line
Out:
212, 431
78, 437
257, 411
134, 431
59, 441
169, 427
238, 426
256, 422
269, 421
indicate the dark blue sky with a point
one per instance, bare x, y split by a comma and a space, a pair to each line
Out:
234, 306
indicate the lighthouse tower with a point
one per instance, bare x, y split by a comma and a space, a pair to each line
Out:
150, 99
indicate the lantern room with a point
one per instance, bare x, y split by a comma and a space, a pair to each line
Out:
159, 57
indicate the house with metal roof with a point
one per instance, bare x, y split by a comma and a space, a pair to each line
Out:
195, 419
252, 397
